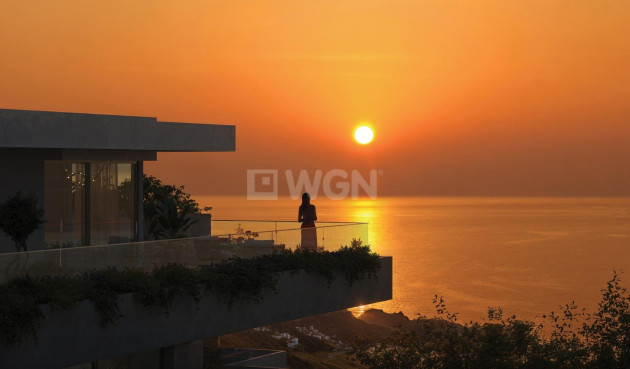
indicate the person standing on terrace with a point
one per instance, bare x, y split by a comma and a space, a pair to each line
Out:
307, 216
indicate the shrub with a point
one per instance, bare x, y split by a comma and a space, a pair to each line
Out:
165, 208
602, 340
20, 216
230, 280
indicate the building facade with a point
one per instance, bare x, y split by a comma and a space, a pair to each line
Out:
86, 170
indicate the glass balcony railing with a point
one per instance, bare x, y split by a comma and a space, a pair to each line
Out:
329, 235
231, 238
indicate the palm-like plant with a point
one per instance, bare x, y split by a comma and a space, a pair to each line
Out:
170, 221
160, 218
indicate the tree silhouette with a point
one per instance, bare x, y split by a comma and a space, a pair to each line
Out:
20, 216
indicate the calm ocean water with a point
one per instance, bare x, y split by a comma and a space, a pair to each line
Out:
526, 255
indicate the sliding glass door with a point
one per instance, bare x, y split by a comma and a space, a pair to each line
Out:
64, 203
112, 203
90, 203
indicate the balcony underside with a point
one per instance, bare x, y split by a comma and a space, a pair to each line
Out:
75, 336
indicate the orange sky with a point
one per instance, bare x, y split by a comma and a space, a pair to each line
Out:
467, 97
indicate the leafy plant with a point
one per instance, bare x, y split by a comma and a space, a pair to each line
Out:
602, 340
608, 331
230, 280
60, 245
171, 221
161, 204
20, 216
242, 235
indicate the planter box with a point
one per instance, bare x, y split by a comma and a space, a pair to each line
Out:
75, 336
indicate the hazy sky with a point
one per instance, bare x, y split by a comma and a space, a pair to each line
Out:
466, 97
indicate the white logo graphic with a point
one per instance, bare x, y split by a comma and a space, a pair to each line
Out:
336, 184
262, 184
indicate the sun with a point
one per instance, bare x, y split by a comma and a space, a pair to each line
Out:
363, 135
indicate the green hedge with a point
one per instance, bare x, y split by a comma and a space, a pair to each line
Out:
21, 299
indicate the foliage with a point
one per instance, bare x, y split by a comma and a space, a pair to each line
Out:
577, 340
242, 235
171, 221
59, 245
609, 331
165, 208
20, 216
155, 190
230, 280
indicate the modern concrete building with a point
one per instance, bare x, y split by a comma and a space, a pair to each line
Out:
85, 169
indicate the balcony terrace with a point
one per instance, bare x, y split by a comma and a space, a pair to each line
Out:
76, 336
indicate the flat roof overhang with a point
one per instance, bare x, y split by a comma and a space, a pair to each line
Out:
77, 131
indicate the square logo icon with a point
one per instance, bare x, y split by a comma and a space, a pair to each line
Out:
262, 184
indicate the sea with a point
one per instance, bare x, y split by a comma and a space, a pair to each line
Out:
526, 255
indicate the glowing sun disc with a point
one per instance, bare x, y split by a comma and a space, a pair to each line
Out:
363, 135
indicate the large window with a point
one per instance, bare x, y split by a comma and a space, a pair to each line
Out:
89, 203
64, 203
111, 203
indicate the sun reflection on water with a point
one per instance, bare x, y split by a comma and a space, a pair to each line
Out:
526, 255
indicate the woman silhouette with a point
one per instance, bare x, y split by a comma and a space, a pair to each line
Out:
307, 216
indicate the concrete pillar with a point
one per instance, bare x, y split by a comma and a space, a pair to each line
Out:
138, 197
183, 356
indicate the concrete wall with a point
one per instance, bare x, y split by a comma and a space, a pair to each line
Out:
193, 137
257, 358
183, 356
75, 336
107, 155
202, 226
28, 138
